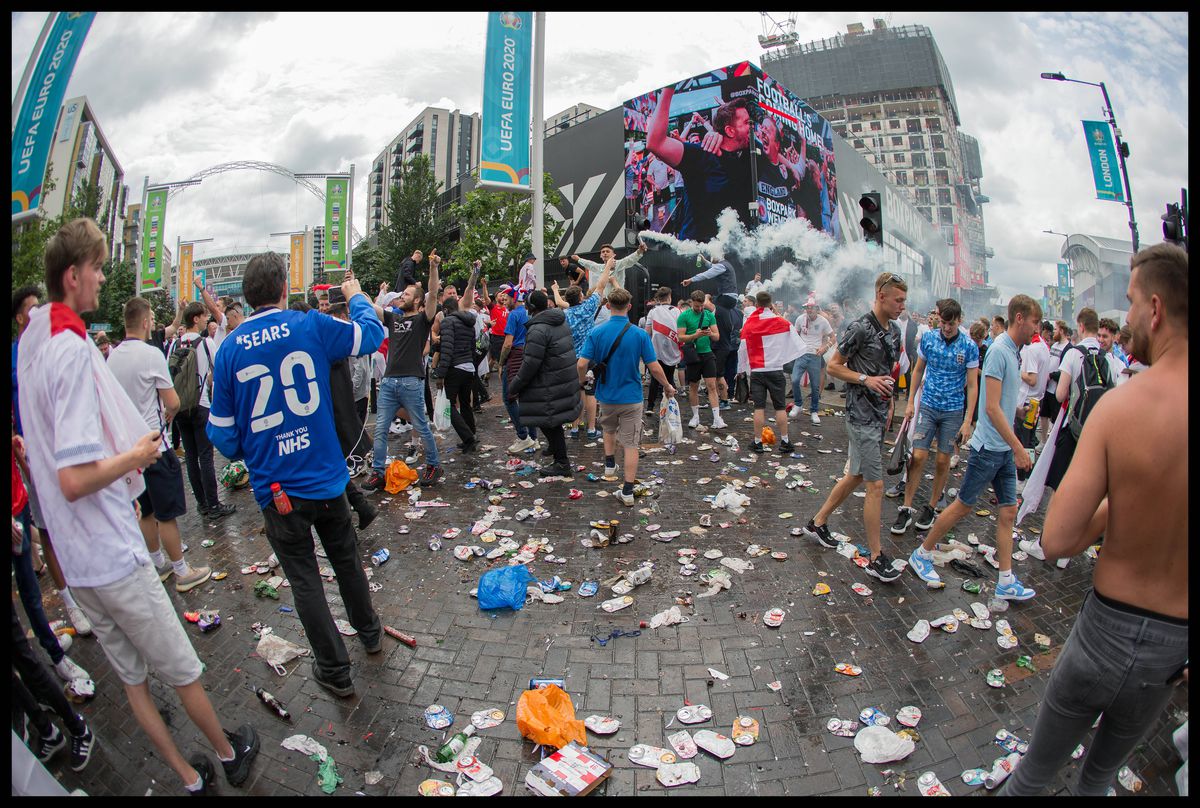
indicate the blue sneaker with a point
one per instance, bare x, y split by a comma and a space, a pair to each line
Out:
1014, 591
923, 567
594, 434
574, 433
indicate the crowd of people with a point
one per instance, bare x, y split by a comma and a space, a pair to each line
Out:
98, 481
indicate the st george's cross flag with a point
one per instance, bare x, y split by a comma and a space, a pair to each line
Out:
768, 342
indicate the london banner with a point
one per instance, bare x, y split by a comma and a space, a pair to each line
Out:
505, 124
1105, 168
337, 223
186, 272
40, 107
152, 240
296, 268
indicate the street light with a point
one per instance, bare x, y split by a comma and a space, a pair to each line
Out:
1122, 147
1056, 233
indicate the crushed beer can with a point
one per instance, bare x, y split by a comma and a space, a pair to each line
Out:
437, 717
874, 717
380, 556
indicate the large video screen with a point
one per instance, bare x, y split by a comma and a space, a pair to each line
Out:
729, 138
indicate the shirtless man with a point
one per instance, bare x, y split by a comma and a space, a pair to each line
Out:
1129, 646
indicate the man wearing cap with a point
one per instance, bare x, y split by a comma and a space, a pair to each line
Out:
817, 335
527, 277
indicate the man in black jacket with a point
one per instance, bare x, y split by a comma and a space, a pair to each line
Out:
455, 370
406, 276
547, 383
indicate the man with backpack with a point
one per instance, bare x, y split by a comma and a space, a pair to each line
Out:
190, 363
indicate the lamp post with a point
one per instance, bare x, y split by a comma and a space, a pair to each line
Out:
1122, 147
1070, 287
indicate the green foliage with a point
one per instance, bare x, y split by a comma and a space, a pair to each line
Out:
371, 268
120, 280
495, 228
415, 221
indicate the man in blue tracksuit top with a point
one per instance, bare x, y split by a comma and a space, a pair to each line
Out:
272, 407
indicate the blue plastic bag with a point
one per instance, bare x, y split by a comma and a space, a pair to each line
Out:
504, 587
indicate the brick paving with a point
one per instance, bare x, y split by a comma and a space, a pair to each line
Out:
467, 659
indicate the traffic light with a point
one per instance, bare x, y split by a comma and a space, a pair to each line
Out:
872, 220
1173, 225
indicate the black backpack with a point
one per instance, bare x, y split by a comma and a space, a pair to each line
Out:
1094, 381
185, 373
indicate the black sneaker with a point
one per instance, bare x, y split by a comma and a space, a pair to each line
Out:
556, 470
205, 770
822, 534
221, 510
81, 750
366, 516
469, 446
430, 476
882, 569
341, 688
377, 647
904, 520
786, 448
757, 447
373, 483
245, 749
926, 519
50, 745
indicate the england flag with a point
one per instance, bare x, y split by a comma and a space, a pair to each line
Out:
768, 342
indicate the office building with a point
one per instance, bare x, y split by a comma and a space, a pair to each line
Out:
449, 138
81, 153
571, 116
888, 92
317, 248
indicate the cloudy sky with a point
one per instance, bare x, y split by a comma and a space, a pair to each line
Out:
178, 93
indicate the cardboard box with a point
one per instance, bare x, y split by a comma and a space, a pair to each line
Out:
572, 771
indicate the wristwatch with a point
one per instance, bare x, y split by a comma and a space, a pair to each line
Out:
862, 378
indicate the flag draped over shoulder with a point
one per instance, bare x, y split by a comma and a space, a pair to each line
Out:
768, 342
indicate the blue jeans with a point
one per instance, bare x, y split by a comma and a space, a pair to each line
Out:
937, 425
514, 410
1116, 665
31, 594
407, 392
813, 364
985, 466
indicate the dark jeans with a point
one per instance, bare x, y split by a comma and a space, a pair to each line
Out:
514, 409
199, 451
290, 537
730, 371
656, 389
558, 443
357, 499
35, 677
1114, 665
31, 594
458, 386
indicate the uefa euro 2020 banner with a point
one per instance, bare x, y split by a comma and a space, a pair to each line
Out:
186, 270
730, 138
337, 224
1105, 169
296, 264
152, 240
505, 123
40, 106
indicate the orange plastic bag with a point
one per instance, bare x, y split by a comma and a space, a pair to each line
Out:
398, 477
768, 436
546, 716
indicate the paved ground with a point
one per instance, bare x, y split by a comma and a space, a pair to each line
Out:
467, 659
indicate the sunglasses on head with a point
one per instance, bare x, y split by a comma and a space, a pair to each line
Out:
891, 277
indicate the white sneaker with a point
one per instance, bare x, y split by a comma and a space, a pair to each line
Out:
398, 428
64, 642
521, 445
1062, 563
719, 422
1033, 547
83, 626
795, 412
68, 671
695, 422
954, 460
816, 419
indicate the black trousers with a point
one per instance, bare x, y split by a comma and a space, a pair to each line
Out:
35, 677
290, 537
458, 386
656, 389
199, 449
558, 443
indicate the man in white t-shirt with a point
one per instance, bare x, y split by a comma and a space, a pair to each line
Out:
817, 335
661, 324
197, 447
141, 369
1035, 368
755, 286
81, 452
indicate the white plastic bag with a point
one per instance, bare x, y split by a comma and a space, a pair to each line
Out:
731, 500
670, 427
277, 652
441, 412
881, 745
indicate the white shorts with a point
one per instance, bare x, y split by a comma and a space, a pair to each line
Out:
136, 624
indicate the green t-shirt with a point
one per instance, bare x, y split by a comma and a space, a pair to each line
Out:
690, 322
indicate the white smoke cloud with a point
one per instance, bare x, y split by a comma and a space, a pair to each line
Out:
818, 263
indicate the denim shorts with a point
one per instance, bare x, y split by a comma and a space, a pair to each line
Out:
939, 425
985, 466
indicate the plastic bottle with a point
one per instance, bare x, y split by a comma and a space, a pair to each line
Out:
282, 504
274, 703
453, 747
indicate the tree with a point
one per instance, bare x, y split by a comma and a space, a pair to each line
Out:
29, 243
495, 228
371, 268
120, 278
415, 218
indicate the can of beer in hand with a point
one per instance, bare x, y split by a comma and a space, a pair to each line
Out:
380, 556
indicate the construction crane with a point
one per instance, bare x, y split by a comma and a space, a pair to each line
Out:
777, 34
